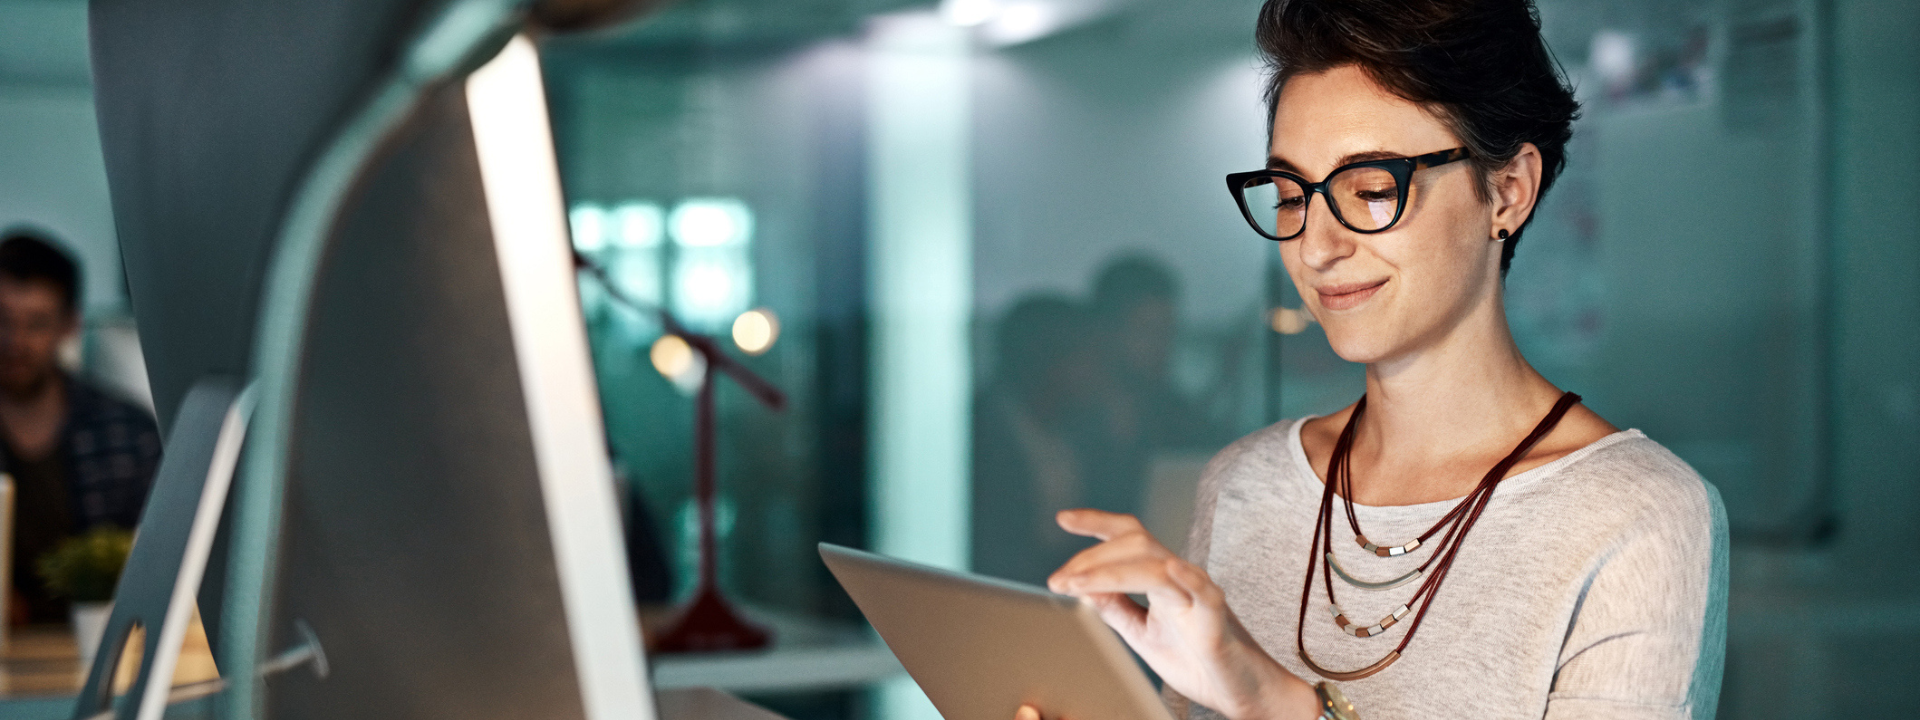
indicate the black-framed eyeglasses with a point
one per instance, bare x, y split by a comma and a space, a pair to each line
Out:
1367, 197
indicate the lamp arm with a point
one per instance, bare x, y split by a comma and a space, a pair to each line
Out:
717, 359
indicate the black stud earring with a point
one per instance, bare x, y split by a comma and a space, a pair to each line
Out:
1503, 234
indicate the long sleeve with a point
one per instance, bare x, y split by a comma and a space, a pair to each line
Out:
1649, 637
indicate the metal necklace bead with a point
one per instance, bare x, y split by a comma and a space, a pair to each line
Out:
1340, 618
1393, 551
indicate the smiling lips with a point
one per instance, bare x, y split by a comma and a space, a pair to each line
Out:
1342, 297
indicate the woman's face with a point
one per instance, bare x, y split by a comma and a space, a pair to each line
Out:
1383, 296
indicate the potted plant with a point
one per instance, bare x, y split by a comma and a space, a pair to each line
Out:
85, 570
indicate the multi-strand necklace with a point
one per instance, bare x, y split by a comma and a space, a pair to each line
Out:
1452, 530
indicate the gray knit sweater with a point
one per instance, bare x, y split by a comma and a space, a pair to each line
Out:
1593, 586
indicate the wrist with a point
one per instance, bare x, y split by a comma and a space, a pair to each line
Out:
1279, 695
1294, 699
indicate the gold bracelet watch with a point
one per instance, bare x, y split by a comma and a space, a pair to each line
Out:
1333, 703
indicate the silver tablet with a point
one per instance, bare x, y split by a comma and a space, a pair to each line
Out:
980, 647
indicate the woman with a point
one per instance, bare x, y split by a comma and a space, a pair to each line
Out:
1466, 541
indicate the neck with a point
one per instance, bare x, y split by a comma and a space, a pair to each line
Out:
1467, 392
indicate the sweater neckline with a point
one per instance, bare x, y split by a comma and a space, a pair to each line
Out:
1311, 478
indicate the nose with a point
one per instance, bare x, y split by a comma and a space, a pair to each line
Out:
1324, 241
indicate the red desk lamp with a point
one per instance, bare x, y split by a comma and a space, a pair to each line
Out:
709, 621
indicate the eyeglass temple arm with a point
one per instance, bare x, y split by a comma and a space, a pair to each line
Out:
1432, 159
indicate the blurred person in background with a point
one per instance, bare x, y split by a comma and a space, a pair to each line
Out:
1151, 436
1466, 540
1031, 423
79, 458
1136, 300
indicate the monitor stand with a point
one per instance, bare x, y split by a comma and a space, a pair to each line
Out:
159, 587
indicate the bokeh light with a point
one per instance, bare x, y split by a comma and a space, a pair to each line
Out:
638, 225
678, 362
706, 290
589, 225
710, 222
756, 330
1288, 321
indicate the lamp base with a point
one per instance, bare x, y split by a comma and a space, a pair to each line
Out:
710, 624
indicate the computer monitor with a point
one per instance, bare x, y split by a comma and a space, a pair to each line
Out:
440, 517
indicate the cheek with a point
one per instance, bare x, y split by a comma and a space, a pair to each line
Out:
1447, 270
1453, 226
1443, 261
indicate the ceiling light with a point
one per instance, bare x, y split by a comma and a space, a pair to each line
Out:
1021, 22
968, 13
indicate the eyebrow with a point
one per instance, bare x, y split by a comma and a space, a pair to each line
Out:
1275, 162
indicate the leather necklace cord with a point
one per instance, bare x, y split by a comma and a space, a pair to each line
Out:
1342, 467
1457, 523
1344, 450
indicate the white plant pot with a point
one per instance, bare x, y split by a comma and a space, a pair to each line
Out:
89, 624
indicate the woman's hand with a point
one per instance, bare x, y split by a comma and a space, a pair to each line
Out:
1186, 633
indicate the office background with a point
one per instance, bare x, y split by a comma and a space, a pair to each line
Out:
1002, 264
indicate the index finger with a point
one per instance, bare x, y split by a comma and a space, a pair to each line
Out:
1098, 523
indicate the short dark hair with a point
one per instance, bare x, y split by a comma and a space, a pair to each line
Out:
28, 254
1132, 279
1480, 66
1038, 331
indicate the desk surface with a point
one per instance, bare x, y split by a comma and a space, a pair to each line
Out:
680, 704
708, 704
41, 663
807, 654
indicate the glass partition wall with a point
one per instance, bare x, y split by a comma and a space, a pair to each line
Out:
709, 180
984, 250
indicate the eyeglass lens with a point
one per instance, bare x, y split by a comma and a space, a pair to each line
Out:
1366, 199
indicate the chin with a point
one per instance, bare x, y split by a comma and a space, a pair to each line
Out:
1360, 345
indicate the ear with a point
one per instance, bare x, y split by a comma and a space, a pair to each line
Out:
1516, 188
